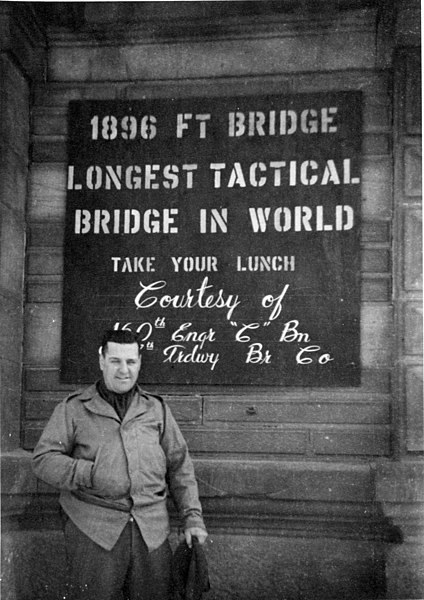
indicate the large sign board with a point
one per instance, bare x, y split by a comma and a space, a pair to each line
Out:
225, 231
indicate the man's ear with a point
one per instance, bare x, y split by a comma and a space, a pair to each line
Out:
101, 361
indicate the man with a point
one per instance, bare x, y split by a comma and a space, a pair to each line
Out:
113, 451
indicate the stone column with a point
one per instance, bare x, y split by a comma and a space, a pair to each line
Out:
22, 56
400, 483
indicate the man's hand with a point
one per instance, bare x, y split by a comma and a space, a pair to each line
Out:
197, 532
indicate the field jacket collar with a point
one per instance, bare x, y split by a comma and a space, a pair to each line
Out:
97, 405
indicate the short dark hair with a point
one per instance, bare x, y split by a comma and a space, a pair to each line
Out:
119, 336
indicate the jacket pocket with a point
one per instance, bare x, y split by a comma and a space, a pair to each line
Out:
109, 476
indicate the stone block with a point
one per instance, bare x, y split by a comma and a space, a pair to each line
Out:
413, 171
14, 179
49, 150
31, 433
40, 405
376, 111
11, 311
34, 565
376, 144
376, 188
285, 480
59, 94
45, 379
10, 377
375, 260
186, 409
43, 329
45, 260
375, 232
413, 328
400, 482
41, 289
399, 489
376, 289
46, 234
289, 409
47, 192
49, 121
17, 476
247, 441
414, 409
373, 441
12, 250
14, 122
413, 254
412, 106
405, 571
252, 566
374, 86
228, 86
376, 335
333, 50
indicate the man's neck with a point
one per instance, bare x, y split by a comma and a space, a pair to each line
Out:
120, 402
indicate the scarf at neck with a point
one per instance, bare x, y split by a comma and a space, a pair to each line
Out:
119, 402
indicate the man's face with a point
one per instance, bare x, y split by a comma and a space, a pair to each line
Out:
121, 366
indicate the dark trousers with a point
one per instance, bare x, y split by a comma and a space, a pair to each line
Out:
127, 572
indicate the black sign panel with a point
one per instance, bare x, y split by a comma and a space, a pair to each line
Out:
225, 231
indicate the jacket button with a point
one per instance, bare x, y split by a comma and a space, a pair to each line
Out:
131, 519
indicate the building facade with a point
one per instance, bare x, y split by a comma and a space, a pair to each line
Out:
308, 492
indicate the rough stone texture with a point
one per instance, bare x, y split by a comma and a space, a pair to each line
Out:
413, 314
400, 490
408, 263
376, 334
13, 160
34, 565
413, 174
241, 567
405, 564
47, 192
43, 327
14, 124
376, 188
400, 482
296, 480
273, 568
12, 256
329, 51
414, 408
10, 378
413, 244
14, 168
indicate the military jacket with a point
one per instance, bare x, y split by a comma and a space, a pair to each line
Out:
109, 471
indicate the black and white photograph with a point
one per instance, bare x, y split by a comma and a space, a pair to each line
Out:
211, 300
